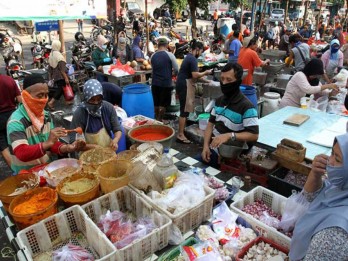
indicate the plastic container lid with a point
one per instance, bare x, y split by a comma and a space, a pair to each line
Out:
271, 95
204, 116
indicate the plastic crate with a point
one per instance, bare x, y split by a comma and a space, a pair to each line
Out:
175, 252
277, 183
190, 218
71, 225
271, 199
124, 200
257, 240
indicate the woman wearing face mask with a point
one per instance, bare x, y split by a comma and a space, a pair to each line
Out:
305, 82
122, 50
137, 46
332, 59
233, 118
100, 55
185, 86
57, 73
97, 118
322, 232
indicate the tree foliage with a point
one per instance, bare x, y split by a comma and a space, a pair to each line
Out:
177, 5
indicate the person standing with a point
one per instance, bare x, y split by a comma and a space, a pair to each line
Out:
249, 59
137, 46
79, 25
233, 118
57, 72
284, 41
9, 98
299, 53
185, 86
31, 134
164, 66
332, 60
234, 48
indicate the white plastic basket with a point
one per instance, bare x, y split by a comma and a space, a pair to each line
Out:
271, 199
71, 225
124, 200
190, 218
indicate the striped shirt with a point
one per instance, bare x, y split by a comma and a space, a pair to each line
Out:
20, 131
237, 114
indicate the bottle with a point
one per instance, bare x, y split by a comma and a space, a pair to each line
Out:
165, 171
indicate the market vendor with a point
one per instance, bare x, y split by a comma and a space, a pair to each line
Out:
233, 118
305, 82
97, 118
185, 86
122, 51
101, 56
322, 232
137, 46
249, 59
30, 131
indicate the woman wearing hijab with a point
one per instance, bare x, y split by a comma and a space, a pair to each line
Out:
100, 55
332, 59
185, 86
137, 46
97, 118
122, 50
57, 72
322, 232
305, 82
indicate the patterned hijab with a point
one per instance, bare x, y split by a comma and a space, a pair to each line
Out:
92, 88
328, 209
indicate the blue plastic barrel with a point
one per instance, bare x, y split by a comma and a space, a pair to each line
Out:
250, 93
137, 100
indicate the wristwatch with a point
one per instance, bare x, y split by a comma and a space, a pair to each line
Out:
233, 136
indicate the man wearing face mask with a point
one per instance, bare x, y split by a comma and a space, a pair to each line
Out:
97, 118
325, 223
305, 82
30, 131
233, 118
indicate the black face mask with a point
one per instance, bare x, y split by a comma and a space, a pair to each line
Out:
314, 82
197, 55
230, 89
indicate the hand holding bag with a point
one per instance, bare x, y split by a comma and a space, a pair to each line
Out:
68, 92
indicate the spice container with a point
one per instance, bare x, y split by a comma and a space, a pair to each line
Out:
33, 206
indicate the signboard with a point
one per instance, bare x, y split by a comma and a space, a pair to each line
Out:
46, 26
52, 10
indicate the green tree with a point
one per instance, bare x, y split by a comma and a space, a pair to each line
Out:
193, 4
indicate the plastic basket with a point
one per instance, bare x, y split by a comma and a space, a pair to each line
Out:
125, 199
190, 218
92, 159
175, 252
71, 225
256, 241
271, 199
277, 183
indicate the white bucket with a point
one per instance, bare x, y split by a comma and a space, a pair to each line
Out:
271, 103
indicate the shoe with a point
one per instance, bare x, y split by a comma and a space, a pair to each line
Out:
184, 141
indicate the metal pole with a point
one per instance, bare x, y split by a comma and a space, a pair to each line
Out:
253, 8
147, 28
115, 19
321, 5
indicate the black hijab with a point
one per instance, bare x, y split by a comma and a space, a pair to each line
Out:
314, 67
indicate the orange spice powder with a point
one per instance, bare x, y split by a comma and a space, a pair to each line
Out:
36, 203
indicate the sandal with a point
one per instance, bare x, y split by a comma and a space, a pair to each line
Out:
184, 141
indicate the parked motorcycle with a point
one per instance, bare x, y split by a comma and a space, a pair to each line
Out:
106, 30
166, 23
41, 52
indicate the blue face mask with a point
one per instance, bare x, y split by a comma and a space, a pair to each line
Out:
336, 175
104, 46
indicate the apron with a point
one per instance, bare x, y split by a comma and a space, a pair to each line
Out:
190, 95
331, 67
100, 138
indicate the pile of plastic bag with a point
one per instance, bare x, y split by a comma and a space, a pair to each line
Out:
120, 69
121, 230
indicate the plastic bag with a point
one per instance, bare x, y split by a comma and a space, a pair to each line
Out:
120, 68
295, 207
68, 92
269, 220
201, 251
175, 235
128, 239
142, 178
204, 233
341, 78
334, 107
107, 220
71, 252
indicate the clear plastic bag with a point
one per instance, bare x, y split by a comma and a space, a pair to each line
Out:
175, 236
142, 178
106, 221
72, 252
269, 220
295, 207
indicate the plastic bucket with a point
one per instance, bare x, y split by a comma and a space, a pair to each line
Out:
137, 100
250, 93
271, 103
203, 121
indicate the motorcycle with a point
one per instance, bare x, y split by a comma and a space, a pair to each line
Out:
166, 23
41, 53
11, 52
105, 30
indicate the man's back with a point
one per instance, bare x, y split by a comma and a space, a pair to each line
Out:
162, 67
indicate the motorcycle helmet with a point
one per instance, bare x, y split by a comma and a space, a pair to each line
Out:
79, 37
246, 32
